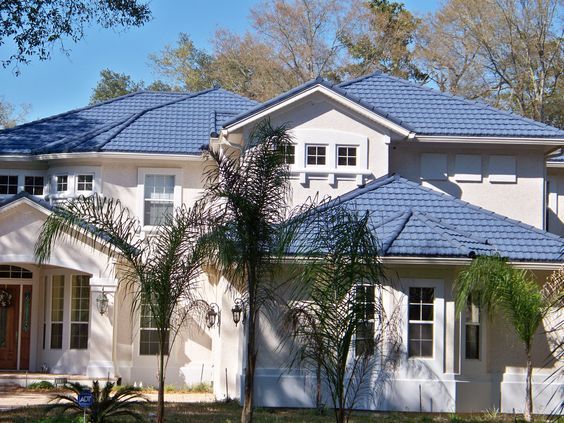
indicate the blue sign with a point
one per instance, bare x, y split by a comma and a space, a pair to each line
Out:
85, 399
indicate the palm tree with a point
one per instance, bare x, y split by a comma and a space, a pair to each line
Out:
160, 271
126, 401
247, 195
498, 287
340, 327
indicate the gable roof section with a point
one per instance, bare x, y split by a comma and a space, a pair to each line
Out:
418, 109
414, 221
23, 196
380, 115
430, 112
143, 122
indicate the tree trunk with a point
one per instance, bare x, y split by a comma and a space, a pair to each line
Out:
160, 398
318, 386
528, 414
247, 412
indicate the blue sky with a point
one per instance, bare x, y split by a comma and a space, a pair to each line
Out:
66, 82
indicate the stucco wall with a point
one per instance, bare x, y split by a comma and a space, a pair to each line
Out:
555, 212
522, 200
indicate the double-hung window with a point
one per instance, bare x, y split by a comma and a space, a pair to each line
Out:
365, 301
149, 337
80, 311
421, 318
472, 331
158, 198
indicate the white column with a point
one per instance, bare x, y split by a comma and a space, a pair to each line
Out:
101, 339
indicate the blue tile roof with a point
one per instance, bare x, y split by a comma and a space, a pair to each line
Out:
175, 123
430, 112
423, 110
411, 220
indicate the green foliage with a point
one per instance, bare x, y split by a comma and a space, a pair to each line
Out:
337, 294
44, 385
514, 293
35, 27
113, 84
160, 272
107, 404
247, 197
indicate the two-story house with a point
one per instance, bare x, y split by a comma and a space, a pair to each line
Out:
443, 178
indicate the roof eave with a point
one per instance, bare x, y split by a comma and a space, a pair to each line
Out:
489, 140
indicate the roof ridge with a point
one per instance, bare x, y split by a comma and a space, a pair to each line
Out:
480, 209
358, 79
404, 218
439, 222
77, 139
479, 103
441, 231
25, 195
68, 112
372, 185
125, 123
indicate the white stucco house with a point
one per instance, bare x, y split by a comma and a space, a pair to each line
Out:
443, 178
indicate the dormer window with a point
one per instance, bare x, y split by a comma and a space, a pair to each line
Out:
34, 185
316, 155
346, 156
289, 152
8, 184
85, 182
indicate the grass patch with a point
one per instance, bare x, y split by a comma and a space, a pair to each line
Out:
41, 386
230, 412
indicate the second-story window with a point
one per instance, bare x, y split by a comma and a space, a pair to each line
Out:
289, 152
33, 185
62, 183
84, 182
159, 198
346, 156
316, 155
8, 184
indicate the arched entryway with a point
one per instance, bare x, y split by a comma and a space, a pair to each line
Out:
16, 290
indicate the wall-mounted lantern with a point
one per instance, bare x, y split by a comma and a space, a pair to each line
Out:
213, 316
102, 302
238, 311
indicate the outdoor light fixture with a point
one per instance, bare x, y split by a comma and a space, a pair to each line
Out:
213, 316
102, 303
238, 311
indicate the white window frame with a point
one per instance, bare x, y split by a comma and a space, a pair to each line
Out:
372, 318
317, 156
347, 166
56, 183
72, 322
141, 173
43, 186
437, 359
474, 323
49, 344
85, 191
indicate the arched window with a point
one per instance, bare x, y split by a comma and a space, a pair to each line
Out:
7, 271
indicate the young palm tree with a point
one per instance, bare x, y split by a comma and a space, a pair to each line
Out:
126, 401
500, 288
340, 327
160, 271
247, 196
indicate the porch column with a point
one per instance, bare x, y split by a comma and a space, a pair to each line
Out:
101, 339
